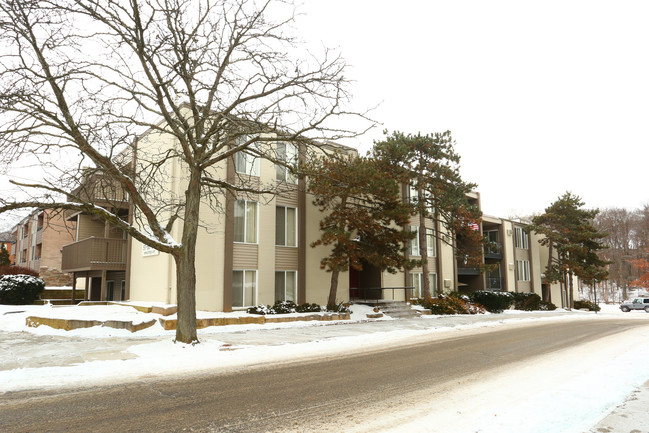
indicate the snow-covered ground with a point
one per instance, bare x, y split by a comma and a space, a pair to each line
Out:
567, 392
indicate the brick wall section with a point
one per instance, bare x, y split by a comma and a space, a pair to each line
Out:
55, 278
56, 233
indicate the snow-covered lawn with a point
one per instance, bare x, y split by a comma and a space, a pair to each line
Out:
574, 388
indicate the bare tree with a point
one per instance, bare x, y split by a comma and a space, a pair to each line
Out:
84, 79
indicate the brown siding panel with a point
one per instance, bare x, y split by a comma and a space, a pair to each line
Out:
286, 258
245, 256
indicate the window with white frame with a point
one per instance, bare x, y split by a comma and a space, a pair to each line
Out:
431, 246
414, 242
244, 287
245, 162
286, 286
413, 197
287, 153
523, 270
522, 238
417, 282
286, 226
245, 221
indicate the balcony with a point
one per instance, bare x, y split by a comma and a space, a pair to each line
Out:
493, 250
102, 190
494, 283
95, 254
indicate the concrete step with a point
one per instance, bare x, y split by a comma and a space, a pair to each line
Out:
397, 309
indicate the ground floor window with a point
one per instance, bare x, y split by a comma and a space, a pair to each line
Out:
286, 286
244, 288
523, 270
417, 281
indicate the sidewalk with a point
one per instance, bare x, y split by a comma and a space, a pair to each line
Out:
628, 417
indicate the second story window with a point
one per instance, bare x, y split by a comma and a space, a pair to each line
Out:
286, 226
522, 238
245, 162
245, 221
286, 152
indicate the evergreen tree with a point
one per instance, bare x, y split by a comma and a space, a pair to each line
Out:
364, 215
4, 256
568, 231
429, 165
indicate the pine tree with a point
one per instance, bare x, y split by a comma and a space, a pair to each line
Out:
364, 215
429, 165
4, 256
568, 231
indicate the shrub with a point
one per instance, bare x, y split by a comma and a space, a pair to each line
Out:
547, 306
260, 309
591, 306
284, 307
308, 308
17, 270
526, 301
494, 302
20, 289
338, 308
451, 304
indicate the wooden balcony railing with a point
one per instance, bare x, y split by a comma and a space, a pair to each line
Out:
95, 254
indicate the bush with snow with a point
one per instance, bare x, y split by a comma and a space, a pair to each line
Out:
494, 302
452, 303
20, 289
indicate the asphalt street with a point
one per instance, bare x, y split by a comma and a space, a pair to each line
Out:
301, 396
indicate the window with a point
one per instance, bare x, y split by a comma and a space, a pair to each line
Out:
286, 286
286, 226
123, 291
244, 288
522, 238
523, 270
414, 242
286, 152
416, 281
245, 221
431, 245
245, 162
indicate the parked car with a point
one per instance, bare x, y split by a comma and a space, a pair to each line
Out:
636, 304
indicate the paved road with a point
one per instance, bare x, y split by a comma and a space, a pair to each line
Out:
297, 396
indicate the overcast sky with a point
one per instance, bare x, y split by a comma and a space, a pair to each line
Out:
541, 97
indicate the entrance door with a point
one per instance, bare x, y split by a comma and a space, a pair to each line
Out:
95, 289
354, 283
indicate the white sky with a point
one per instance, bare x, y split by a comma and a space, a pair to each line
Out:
542, 97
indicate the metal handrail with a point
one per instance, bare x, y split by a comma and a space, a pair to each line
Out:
379, 291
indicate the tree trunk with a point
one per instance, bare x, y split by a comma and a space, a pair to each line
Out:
186, 265
571, 298
423, 247
333, 289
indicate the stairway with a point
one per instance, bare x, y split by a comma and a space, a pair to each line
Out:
396, 309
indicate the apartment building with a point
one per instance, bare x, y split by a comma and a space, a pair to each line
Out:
255, 248
39, 240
